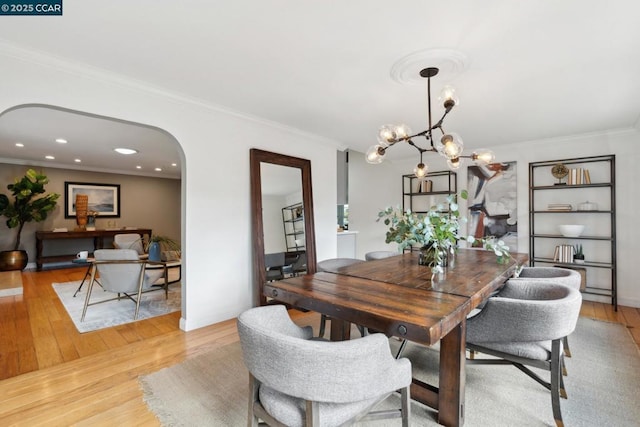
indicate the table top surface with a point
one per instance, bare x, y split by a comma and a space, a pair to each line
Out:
397, 296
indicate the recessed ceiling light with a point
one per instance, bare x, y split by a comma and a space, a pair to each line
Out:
19, 144
158, 169
174, 164
77, 160
125, 151
49, 157
138, 167
61, 141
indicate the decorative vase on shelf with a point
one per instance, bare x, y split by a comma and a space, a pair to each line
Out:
155, 252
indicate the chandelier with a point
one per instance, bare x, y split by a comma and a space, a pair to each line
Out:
449, 145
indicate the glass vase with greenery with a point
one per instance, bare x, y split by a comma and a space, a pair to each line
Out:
436, 233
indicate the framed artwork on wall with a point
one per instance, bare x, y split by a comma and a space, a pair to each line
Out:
493, 202
103, 198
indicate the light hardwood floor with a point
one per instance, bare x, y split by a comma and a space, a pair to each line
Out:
54, 376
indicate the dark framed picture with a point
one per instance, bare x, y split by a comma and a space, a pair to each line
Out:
103, 198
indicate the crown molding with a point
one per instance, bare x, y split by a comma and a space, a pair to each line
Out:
80, 69
574, 137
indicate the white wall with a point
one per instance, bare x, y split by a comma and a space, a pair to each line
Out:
272, 224
373, 187
217, 235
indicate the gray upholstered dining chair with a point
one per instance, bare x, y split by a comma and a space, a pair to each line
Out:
299, 381
524, 325
130, 241
371, 256
562, 276
332, 264
123, 273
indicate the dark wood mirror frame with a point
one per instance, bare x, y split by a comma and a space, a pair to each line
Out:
257, 157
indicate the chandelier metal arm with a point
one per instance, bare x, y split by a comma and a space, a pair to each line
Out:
420, 149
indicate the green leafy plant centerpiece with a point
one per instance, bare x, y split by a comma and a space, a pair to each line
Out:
27, 205
436, 233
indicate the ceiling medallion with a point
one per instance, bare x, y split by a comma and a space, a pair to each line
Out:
450, 62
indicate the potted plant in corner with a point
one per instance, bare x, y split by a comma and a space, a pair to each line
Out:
27, 205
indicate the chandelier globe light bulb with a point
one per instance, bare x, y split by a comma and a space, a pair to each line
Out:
387, 135
452, 145
448, 97
420, 170
374, 155
454, 164
483, 156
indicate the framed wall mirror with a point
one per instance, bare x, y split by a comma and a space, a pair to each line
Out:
284, 241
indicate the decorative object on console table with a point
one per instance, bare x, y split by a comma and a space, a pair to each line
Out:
26, 207
82, 209
91, 220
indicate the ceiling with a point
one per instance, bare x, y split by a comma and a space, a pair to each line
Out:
524, 71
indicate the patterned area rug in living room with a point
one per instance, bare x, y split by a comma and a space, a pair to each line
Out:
114, 313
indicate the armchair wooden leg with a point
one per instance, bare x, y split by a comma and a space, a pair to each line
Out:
565, 343
556, 380
252, 419
312, 415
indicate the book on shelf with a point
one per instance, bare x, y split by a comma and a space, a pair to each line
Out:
578, 176
559, 207
564, 253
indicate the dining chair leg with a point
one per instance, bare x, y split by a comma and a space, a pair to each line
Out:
556, 380
405, 396
140, 283
565, 343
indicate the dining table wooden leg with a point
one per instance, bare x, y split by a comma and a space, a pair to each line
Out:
452, 377
340, 330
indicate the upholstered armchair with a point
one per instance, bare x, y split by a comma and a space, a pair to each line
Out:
562, 276
130, 241
298, 381
524, 325
123, 273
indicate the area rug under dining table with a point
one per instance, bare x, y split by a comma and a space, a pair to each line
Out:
602, 385
114, 313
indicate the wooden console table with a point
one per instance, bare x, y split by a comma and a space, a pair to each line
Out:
97, 236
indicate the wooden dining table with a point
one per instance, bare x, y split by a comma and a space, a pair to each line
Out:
401, 298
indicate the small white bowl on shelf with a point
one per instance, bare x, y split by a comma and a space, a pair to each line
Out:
571, 230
